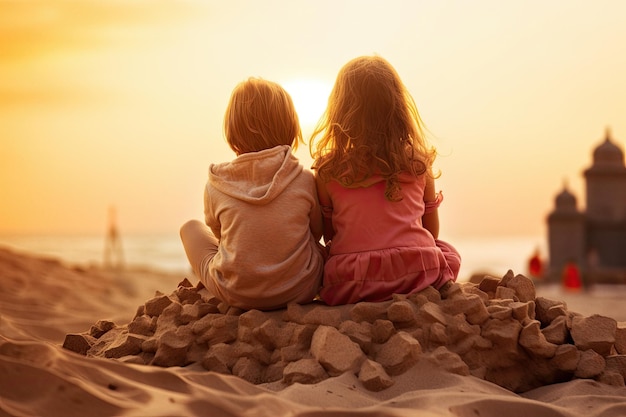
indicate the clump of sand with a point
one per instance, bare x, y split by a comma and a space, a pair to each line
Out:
497, 330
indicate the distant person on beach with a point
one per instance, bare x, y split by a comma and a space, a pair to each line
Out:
259, 248
571, 277
535, 265
376, 186
113, 253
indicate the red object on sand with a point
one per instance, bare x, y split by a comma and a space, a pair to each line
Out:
535, 266
571, 277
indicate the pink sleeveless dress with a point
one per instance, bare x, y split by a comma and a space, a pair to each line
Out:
380, 248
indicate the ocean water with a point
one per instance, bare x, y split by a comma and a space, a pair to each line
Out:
484, 255
162, 252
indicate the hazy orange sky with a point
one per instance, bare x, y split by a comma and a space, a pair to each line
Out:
121, 102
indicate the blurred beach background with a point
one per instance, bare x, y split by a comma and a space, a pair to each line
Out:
481, 255
120, 104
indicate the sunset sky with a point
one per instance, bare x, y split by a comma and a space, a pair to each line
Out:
121, 102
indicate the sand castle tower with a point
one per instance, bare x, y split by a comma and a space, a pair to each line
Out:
606, 204
595, 239
566, 232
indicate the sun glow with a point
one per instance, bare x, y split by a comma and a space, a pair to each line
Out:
310, 97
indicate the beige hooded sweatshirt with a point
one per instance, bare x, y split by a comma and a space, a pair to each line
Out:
262, 207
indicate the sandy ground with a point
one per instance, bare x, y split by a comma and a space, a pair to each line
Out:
43, 300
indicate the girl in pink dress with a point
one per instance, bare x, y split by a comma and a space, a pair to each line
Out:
376, 186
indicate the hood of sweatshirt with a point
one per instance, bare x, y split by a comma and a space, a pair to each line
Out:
256, 177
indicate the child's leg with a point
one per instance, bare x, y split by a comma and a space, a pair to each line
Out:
449, 274
200, 246
453, 258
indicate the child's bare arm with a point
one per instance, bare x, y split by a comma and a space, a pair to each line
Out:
326, 205
430, 220
316, 221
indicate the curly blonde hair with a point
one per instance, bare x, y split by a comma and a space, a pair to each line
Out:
260, 115
371, 126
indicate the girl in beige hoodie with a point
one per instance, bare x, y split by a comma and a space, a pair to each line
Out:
259, 248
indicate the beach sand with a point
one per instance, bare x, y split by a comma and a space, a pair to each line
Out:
458, 355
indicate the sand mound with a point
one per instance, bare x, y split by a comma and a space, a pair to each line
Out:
497, 330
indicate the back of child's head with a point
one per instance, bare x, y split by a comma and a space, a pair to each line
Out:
371, 126
260, 115
369, 98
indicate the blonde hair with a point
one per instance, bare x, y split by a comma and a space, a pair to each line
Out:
260, 115
371, 126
